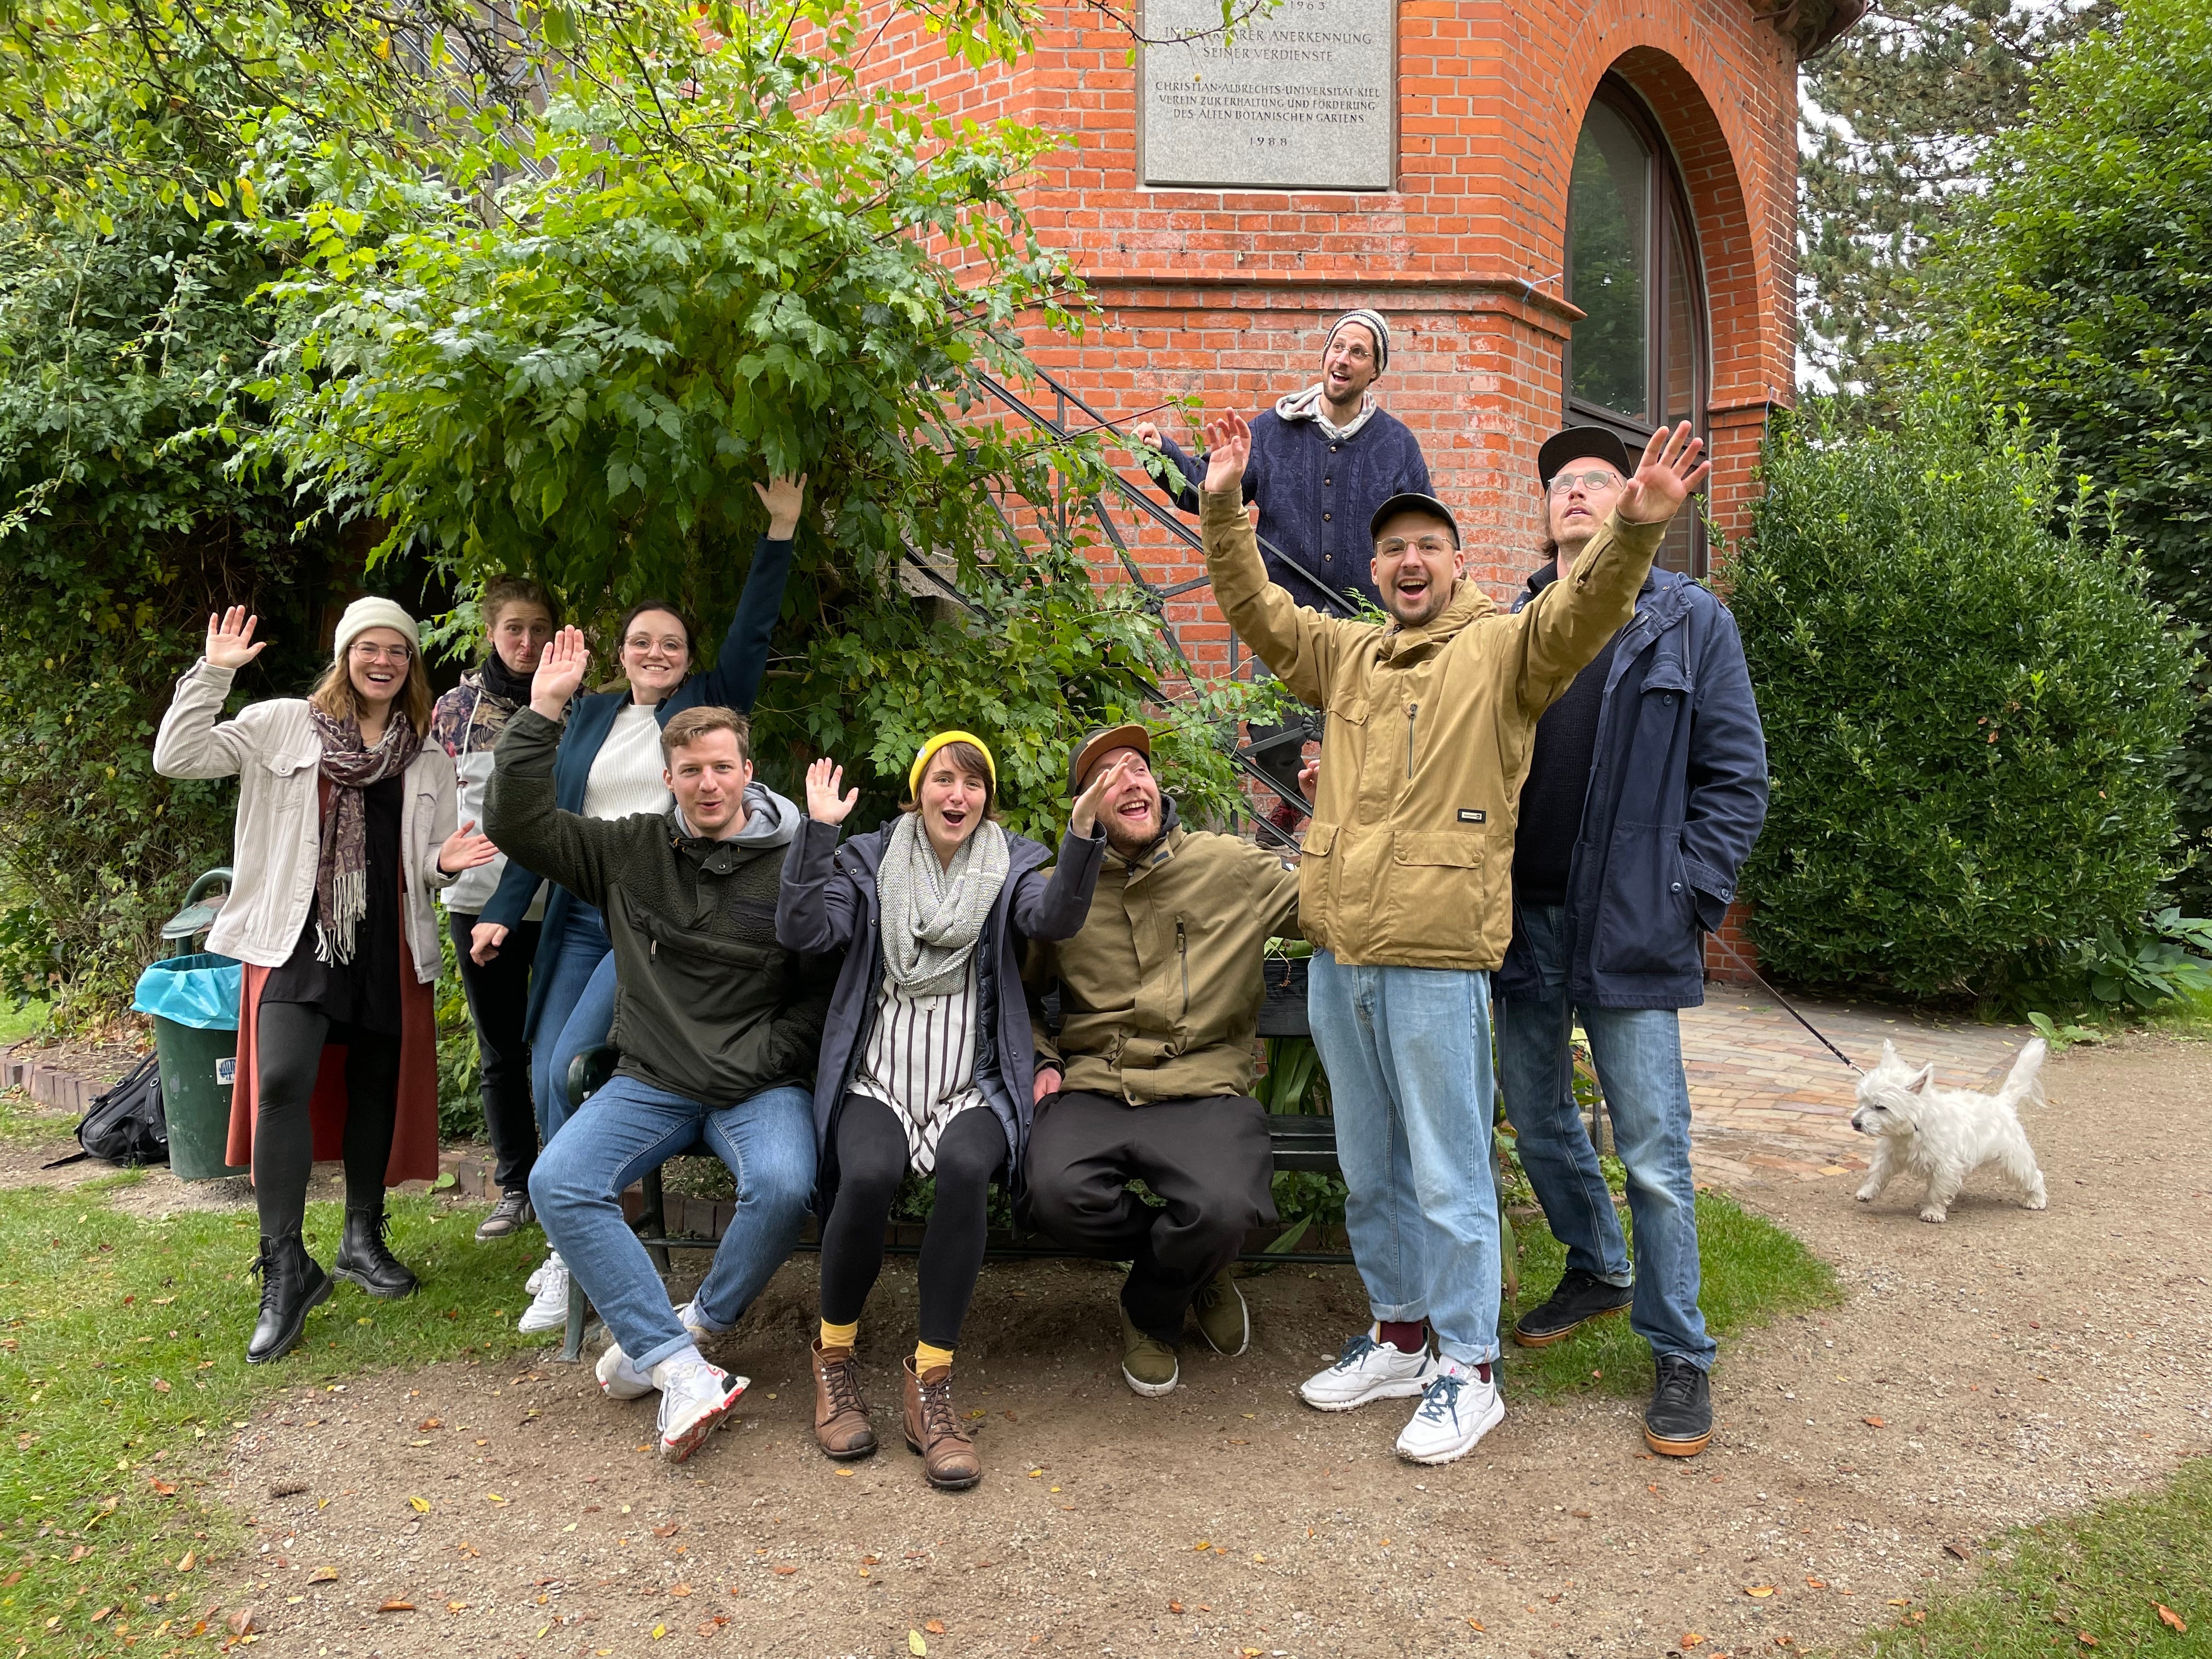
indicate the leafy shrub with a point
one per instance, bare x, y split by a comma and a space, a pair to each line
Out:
1970, 711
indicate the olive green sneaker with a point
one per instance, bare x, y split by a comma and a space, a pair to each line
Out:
1222, 1317
1148, 1364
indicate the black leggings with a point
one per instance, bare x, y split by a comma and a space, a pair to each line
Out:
289, 1039
870, 1165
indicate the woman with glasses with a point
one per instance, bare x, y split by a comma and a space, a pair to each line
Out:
609, 766
345, 825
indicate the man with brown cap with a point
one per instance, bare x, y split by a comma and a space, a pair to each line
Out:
1149, 1076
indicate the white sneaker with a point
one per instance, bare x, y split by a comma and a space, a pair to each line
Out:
537, 1278
548, 1307
1457, 1409
618, 1378
695, 1398
1367, 1370
695, 1323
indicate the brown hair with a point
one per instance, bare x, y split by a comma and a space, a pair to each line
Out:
640, 609
335, 696
694, 724
968, 760
500, 592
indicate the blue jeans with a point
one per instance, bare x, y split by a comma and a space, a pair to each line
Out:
1638, 1053
629, 1127
1407, 1053
576, 1015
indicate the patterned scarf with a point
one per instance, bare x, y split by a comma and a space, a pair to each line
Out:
342, 871
934, 914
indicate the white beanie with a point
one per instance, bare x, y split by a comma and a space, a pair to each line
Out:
364, 614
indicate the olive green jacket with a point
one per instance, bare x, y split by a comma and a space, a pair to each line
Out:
1160, 992
1408, 861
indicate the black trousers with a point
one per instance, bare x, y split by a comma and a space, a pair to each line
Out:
289, 1041
1208, 1162
872, 1162
499, 999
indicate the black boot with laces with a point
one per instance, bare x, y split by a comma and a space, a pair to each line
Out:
363, 1256
291, 1284
1680, 1418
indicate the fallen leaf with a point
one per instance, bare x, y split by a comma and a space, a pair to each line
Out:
783, 1572
1758, 1589
420, 1505
428, 1423
2168, 1617
323, 1575
1037, 1475
660, 1631
495, 1498
187, 1563
1471, 1624
1174, 1607
1960, 1548
935, 1627
1202, 1544
160, 1387
2085, 1638
397, 1607
846, 1475
101, 1614
161, 1486
1691, 1638
457, 1607
668, 1531
1900, 1601
1874, 1422
915, 1645
680, 1589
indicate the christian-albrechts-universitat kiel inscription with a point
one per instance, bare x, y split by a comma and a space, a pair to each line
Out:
1305, 98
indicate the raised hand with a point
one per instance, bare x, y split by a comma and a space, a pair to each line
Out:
1664, 477
1083, 820
230, 641
1228, 449
560, 669
824, 779
782, 497
464, 850
484, 940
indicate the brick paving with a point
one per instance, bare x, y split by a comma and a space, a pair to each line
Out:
1768, 1102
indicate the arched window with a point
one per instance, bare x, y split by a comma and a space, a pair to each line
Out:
1639, 357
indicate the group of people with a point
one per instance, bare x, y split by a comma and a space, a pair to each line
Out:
1540, 810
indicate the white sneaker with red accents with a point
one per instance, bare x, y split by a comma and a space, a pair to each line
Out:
1367, 1370
695, 1397
618, 1378
1457, 1409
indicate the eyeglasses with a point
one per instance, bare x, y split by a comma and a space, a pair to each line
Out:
1434, 546
381, 653
1563, 482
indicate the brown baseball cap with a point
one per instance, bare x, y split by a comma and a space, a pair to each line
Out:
1103, 740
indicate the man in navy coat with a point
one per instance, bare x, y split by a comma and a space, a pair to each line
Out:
1646, 788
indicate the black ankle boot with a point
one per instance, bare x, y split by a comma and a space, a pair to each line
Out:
363, 1256
291, 1284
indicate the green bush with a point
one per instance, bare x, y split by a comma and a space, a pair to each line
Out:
1970, 708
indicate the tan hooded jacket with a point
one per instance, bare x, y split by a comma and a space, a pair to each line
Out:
1409, 857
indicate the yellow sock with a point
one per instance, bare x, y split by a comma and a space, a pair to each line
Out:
839, 1336
926, 1359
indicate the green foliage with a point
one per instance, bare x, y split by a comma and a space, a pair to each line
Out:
2076, 290
2138, 969
1294, 1082
95, 1416
1969, 715
118, 536
1893, 119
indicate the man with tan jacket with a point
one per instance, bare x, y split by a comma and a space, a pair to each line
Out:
1405, 891
1149, 1075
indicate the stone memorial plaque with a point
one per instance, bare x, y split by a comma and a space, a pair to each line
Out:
1306, 97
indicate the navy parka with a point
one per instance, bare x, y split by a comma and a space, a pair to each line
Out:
1678, 791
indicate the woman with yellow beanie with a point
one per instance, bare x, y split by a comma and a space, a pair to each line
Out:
926, 1059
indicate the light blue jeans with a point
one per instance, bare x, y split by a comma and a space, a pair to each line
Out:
1407, 1053
1638, 1053
629, 1127
578, 1012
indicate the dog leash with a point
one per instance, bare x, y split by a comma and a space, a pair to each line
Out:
1790, 1007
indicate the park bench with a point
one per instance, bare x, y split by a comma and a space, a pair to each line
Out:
1300, 1142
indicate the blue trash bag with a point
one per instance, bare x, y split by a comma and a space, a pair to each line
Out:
201, 990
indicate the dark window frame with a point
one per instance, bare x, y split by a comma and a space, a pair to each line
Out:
1669, 221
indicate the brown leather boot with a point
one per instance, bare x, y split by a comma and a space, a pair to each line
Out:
949, 1462
841, 1417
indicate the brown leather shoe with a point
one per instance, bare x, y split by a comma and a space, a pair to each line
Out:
932, 1428
841, 1417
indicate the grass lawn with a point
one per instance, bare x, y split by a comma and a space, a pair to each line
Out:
2089, 1584
1754, 1273
19, 1020
122, 1374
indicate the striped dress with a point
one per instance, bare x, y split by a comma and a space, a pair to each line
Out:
920, 1061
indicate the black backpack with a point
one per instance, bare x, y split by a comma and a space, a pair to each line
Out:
126, 1124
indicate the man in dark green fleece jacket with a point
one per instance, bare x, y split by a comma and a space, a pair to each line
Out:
718, 1025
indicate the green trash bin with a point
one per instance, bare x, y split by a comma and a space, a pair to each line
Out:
194, 1003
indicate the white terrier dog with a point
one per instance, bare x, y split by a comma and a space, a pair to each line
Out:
1943, 1135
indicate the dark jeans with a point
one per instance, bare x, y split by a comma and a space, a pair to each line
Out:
870, 1163
289, 1041
499, 997
1206, 1160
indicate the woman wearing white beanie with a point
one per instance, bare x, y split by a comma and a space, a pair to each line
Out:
345, 825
